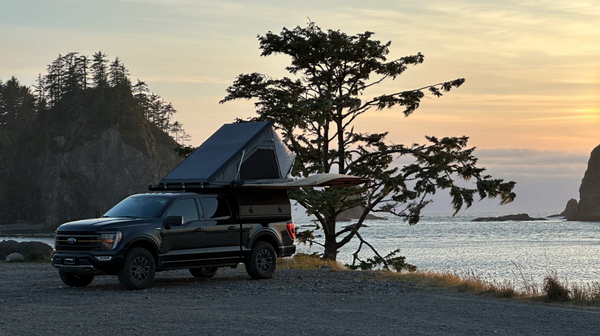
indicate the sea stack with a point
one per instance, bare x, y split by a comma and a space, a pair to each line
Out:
588, 208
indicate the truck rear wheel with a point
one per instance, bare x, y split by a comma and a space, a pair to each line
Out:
138, 269
262, 261
203, 272
75, 280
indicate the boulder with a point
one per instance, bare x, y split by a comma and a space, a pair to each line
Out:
14, 257
35, 251
7, 247
30, 251
517, 217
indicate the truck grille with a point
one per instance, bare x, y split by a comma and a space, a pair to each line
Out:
76, 242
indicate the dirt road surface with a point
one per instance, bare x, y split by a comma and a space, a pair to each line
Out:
33, 301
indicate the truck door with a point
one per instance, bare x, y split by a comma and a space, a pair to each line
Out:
222, 229
187, 241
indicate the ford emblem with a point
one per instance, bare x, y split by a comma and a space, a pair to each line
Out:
71, 240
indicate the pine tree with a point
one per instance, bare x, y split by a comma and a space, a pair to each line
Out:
99, 70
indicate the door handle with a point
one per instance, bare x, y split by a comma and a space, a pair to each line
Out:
199, 229
231, 228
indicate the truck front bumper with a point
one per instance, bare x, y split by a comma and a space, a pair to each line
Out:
87, 263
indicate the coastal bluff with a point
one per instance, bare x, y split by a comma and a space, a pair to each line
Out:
588, 207
71, 164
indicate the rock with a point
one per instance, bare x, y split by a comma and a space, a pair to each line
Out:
35, 251
7, 247
30, 251
589, 191
15, 257
517, 217
570, 209
354, 213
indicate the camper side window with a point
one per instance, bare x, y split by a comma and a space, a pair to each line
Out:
215, 208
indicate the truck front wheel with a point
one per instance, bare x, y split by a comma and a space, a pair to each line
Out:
138, 269
262, 261
75, 280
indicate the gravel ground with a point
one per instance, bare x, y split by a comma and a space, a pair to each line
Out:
33, 301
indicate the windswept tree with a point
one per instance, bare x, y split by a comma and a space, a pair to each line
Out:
316, 111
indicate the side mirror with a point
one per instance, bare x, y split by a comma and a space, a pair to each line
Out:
173, 221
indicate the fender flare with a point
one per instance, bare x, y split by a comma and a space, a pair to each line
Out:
141, 238
262, 233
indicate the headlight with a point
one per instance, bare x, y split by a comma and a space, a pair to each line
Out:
110, 240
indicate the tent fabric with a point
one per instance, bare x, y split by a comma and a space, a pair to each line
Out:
238, 151
317, 180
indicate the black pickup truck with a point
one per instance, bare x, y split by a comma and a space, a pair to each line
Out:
160, 231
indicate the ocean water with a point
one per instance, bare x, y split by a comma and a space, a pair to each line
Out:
500, 251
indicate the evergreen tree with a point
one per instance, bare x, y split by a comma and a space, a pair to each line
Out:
54, 81
17, 105
118, 75
99, 70
316, 113
40, 93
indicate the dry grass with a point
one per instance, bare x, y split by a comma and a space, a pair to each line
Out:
308, 261
468, 282
551, 290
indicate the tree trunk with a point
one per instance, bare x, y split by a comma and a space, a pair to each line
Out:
330, 239
330, 247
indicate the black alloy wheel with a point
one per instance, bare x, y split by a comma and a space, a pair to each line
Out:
262, 261
138, 269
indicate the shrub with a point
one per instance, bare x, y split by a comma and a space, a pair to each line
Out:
554, 291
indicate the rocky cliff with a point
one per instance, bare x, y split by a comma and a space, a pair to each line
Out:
588, 208
75, 163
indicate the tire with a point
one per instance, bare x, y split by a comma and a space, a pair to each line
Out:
138, 269
262, 261
203, 272
75, 280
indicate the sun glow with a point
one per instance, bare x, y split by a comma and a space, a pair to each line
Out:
593, 115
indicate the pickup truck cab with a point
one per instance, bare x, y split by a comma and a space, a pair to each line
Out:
159, 231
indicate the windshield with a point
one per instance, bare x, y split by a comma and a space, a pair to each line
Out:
138, 207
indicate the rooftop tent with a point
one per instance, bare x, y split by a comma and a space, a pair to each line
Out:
236, 152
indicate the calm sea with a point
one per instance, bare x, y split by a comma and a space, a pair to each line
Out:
493, 250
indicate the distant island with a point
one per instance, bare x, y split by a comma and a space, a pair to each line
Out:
517, 217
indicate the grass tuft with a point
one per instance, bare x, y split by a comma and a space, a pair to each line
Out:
308, 261
554, 291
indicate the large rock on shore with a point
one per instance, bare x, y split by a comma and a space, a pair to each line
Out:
588, 208
31, 251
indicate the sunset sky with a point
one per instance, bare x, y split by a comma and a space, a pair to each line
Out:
531, 101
